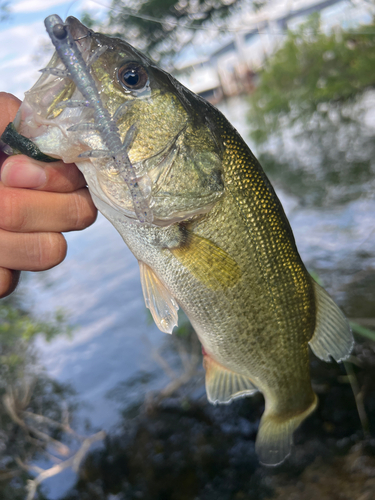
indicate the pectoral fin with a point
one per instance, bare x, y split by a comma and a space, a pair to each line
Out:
332, 335
207, 262
162, 305
223, 385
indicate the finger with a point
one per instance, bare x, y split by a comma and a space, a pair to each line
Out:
31, 251
23, 172
24, 210
8, 281
9, 105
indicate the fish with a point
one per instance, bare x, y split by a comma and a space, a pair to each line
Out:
196, 209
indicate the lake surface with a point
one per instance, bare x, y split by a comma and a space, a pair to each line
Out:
113, 342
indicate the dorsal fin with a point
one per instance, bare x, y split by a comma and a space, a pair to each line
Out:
332, 335
162, 305
223, 385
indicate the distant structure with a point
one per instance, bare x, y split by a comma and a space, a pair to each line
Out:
231, 68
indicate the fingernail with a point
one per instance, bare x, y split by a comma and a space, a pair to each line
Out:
23, 172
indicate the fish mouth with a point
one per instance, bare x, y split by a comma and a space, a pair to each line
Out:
78, 30
39, 110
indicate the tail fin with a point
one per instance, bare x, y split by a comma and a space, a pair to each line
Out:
275, 435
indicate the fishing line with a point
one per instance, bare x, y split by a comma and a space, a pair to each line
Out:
133, 13
224, 29
69, 7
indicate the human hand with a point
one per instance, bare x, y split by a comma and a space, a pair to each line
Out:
37, 202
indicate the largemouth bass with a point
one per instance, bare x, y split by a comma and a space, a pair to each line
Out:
196, 209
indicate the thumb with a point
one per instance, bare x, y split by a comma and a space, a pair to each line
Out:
8, 281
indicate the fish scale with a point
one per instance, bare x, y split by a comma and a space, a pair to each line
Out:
219, 245
275, 250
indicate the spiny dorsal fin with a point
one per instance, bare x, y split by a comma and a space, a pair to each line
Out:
275, 435
162, 305
332, 335
223, 385
207, 262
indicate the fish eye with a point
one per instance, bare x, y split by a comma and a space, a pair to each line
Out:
132, 76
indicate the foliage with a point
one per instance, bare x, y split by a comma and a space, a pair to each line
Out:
161, 28
309, 110
312, 69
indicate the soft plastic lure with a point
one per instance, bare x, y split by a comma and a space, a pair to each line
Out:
79, 71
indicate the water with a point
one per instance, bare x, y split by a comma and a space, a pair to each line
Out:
98, 286
114, 342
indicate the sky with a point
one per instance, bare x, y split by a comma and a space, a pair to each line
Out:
23, 35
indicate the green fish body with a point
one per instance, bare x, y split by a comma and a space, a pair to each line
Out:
220, 246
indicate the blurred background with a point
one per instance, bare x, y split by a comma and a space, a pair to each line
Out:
96, 402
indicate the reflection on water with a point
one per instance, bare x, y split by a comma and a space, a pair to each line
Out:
118, 373
99, 286
35, 409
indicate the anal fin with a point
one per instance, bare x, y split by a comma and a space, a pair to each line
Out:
332, 335
224, 385
158, 299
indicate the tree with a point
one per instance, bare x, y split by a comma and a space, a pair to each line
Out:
161, 28
308, 113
